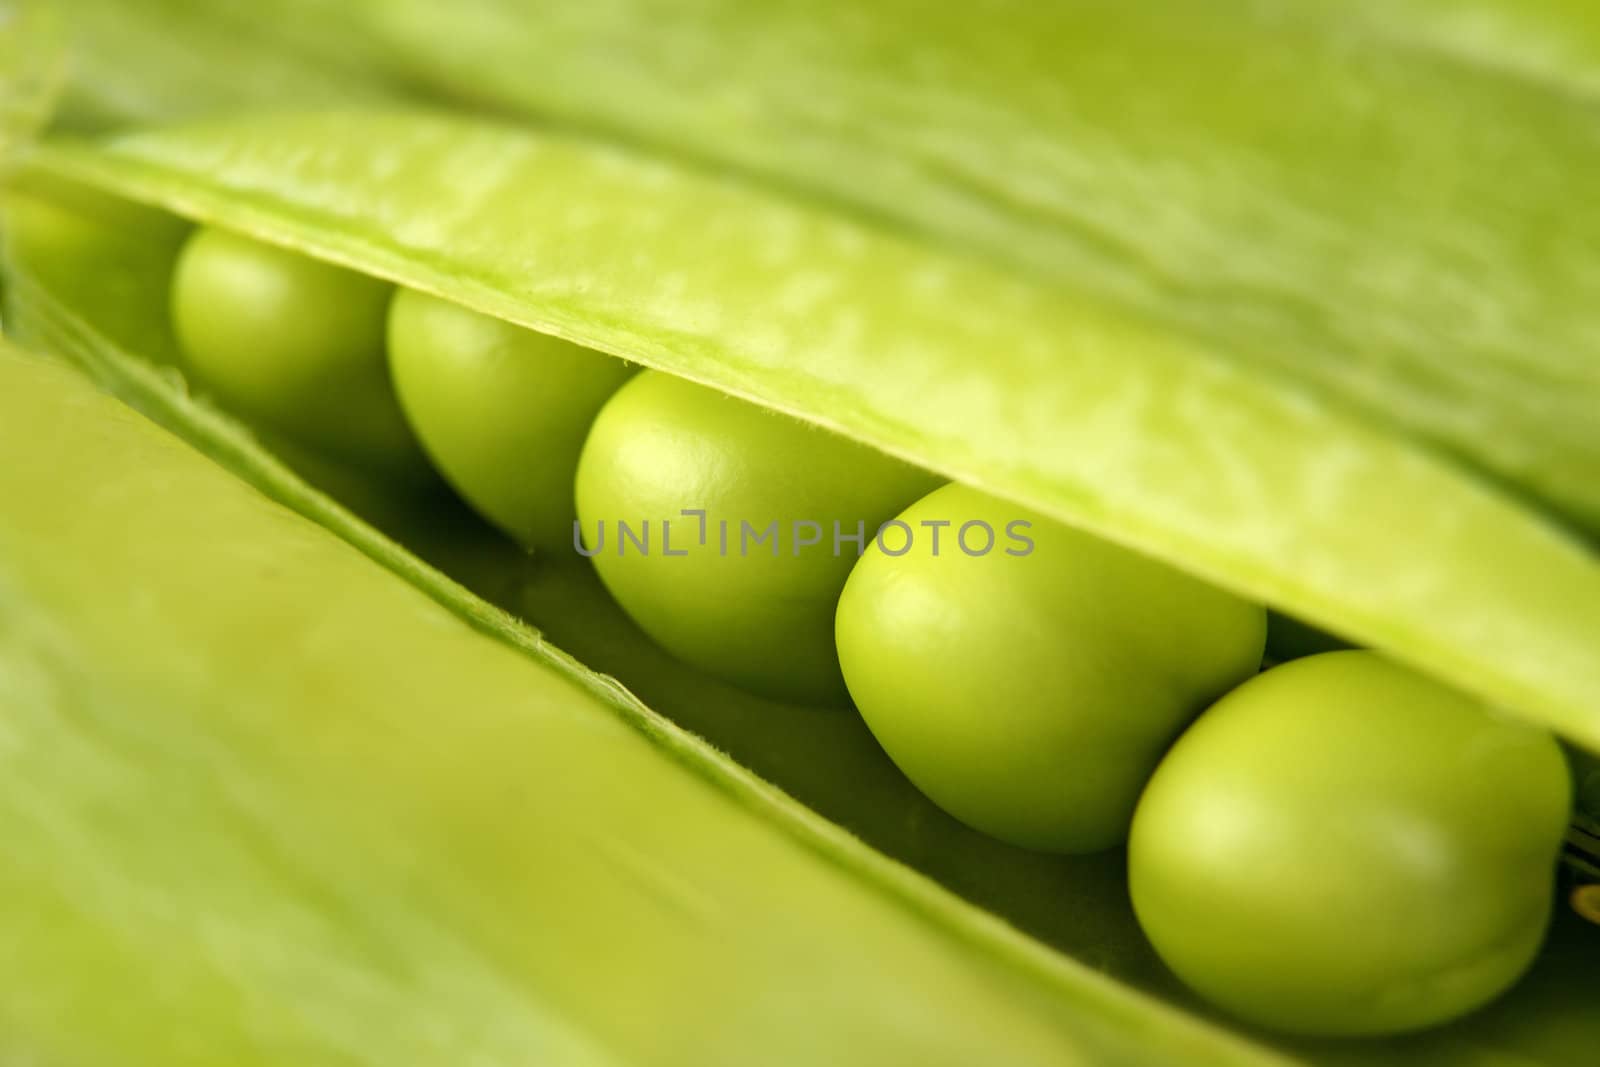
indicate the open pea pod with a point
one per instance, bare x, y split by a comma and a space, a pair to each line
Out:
90, 281
1077, 408
269, 805
539, 202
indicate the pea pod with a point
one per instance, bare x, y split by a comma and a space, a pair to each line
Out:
58, 303
1360, 381
1309, 191
31, 58
1515, 404
100, 317
318, 819
1235, 477
161, 59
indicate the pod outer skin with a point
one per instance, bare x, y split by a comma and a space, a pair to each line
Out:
1344, 847
264, 802
1031, 691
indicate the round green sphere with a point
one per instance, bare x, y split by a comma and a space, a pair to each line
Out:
1342, 846
1030, 689
746, 591
501, 410
292, 343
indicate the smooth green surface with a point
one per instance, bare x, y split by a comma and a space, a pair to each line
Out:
105, 317
502, 411
1386, 203
828, 761
394, 840
1341, 846
1030, 689
32, 58
1120, 150
292, 343
1421, 49
154, 60
746, 591
1089, 416
63, 232
119, 257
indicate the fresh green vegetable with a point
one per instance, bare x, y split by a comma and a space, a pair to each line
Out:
727, 531
157, 60
264, 804
1313, 191
90, 276
32, 55
1028, 676
1341, 846
1076, 409
293, 343
1487, 569
502, 411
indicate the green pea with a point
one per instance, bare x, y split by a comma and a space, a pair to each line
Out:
749, 600
292, 343
502, 411
1342, 846
1029, 690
